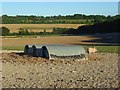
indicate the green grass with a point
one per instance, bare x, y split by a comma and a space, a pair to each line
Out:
109, 49
12, 47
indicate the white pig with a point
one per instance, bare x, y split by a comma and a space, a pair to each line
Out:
92, 50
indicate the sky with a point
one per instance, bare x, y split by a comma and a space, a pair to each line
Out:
59, 8
59, 0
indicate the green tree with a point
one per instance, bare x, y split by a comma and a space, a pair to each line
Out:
4, 31
44, 30
23, 32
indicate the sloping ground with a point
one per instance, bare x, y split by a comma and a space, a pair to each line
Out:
103, 27
22, 71
93, 39
106, 38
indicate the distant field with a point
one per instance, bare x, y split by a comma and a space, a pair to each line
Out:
39, 27
18, 43
45, 40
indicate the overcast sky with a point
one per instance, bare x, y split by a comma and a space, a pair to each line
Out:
59, 8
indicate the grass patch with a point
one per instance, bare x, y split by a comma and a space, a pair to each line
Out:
109, 49
12, 47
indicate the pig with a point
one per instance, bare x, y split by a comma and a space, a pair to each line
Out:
91, 50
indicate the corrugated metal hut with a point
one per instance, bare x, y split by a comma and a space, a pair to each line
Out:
59, 51
37, 50
28, 49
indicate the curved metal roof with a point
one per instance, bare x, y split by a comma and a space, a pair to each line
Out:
51, 50
65, 50
29, 45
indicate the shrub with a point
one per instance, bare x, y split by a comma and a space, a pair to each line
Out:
4, 31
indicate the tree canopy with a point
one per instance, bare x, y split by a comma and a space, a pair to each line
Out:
4, 31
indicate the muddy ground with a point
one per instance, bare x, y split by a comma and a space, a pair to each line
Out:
22, 71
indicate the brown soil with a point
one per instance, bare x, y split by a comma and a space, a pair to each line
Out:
47, 40
22, 71
95, 39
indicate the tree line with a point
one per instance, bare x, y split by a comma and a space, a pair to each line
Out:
111, 24
4, 31
104, 27
68, 19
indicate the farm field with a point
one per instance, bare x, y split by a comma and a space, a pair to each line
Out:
19, 43
105, 45
99, 71
38, 27
71, 45
45, 40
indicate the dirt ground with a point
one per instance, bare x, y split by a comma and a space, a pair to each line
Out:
22, 71
44, 40
95, 39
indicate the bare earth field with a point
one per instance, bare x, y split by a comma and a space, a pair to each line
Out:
22, 71
96, 39
45, 40
39, 27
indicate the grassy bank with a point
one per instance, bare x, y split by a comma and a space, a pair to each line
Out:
12, 47
109, 49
